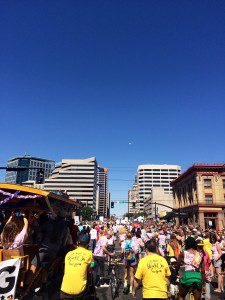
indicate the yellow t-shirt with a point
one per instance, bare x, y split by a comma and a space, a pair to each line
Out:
153, 270
208, 247
75, 275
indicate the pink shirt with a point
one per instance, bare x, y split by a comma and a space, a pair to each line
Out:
19, 239
98, 251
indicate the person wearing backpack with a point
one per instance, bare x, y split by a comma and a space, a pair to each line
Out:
129, 253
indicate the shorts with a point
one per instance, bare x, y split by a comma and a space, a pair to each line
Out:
110, 248
129, 263
217, 264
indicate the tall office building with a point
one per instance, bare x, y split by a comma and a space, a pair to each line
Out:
17, 177
103, 191
78, 177
133, 203
150, 176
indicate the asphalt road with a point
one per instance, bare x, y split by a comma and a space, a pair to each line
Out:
104, 293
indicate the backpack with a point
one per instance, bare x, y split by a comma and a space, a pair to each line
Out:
129, 252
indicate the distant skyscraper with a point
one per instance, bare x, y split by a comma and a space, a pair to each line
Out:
103, 191
133, 203
150, 176
17, 177
78, 177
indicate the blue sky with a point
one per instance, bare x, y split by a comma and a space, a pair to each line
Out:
85, 78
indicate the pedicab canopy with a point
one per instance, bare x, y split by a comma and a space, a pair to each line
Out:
13, 197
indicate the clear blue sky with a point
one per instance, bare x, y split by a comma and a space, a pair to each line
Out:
85, 78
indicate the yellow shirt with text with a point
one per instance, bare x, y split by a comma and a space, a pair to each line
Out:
153, 270
75, 275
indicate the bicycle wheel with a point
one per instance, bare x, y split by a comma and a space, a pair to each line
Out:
114, 286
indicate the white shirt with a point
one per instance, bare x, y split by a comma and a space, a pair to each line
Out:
93, 234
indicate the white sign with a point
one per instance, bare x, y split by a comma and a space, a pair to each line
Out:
210, 223
76, 220
9, 270
101, 219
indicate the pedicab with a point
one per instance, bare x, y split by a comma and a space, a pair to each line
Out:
34, 202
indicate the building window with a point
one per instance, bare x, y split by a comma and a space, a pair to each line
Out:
208, 199
224, 183
207, 183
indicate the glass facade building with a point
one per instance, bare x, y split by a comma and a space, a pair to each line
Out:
18, 177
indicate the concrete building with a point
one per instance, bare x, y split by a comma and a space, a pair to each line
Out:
33, 184
150, 176
103, 191
133, 203
199, 194
78, 177
17, 177
159, 196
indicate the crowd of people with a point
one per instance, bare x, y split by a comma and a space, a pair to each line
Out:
166, 260
161, 257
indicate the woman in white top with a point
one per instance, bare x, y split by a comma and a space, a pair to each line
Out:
93, 237
217, 262
194, 272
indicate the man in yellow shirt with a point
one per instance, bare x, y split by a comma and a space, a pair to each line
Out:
154, 272
77, 267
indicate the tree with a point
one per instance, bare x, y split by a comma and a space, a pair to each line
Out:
87, 213
128, 215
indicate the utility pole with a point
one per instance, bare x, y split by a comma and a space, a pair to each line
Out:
155, 212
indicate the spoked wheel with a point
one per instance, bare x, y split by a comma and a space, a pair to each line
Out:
114, 287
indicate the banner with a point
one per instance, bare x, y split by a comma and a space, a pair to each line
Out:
9, 270
15, 195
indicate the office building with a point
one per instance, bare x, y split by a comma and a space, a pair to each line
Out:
78, 178
103, 191
154, 204
199, 195
150, 176
34, 163
133, 203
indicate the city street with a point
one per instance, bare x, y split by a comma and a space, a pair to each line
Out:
104, 293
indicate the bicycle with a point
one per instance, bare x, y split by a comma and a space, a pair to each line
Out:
113, 272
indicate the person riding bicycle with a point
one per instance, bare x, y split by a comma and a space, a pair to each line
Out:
100, 252
77, 280
194, 271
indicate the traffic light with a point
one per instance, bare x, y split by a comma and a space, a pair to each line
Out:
133, 204
112, 204
40, 176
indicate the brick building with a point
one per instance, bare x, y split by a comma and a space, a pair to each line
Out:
199, 195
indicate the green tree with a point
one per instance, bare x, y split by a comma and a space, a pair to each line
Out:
87, 213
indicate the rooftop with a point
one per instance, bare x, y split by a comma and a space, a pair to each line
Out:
198, 167
30, 157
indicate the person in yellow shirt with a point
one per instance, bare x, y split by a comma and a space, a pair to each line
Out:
208, 245
77, 271
154, 272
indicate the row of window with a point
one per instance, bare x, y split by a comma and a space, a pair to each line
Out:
41, 164
158, 170
163, 177
208, 183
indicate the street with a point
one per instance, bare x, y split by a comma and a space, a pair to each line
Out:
104, 293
